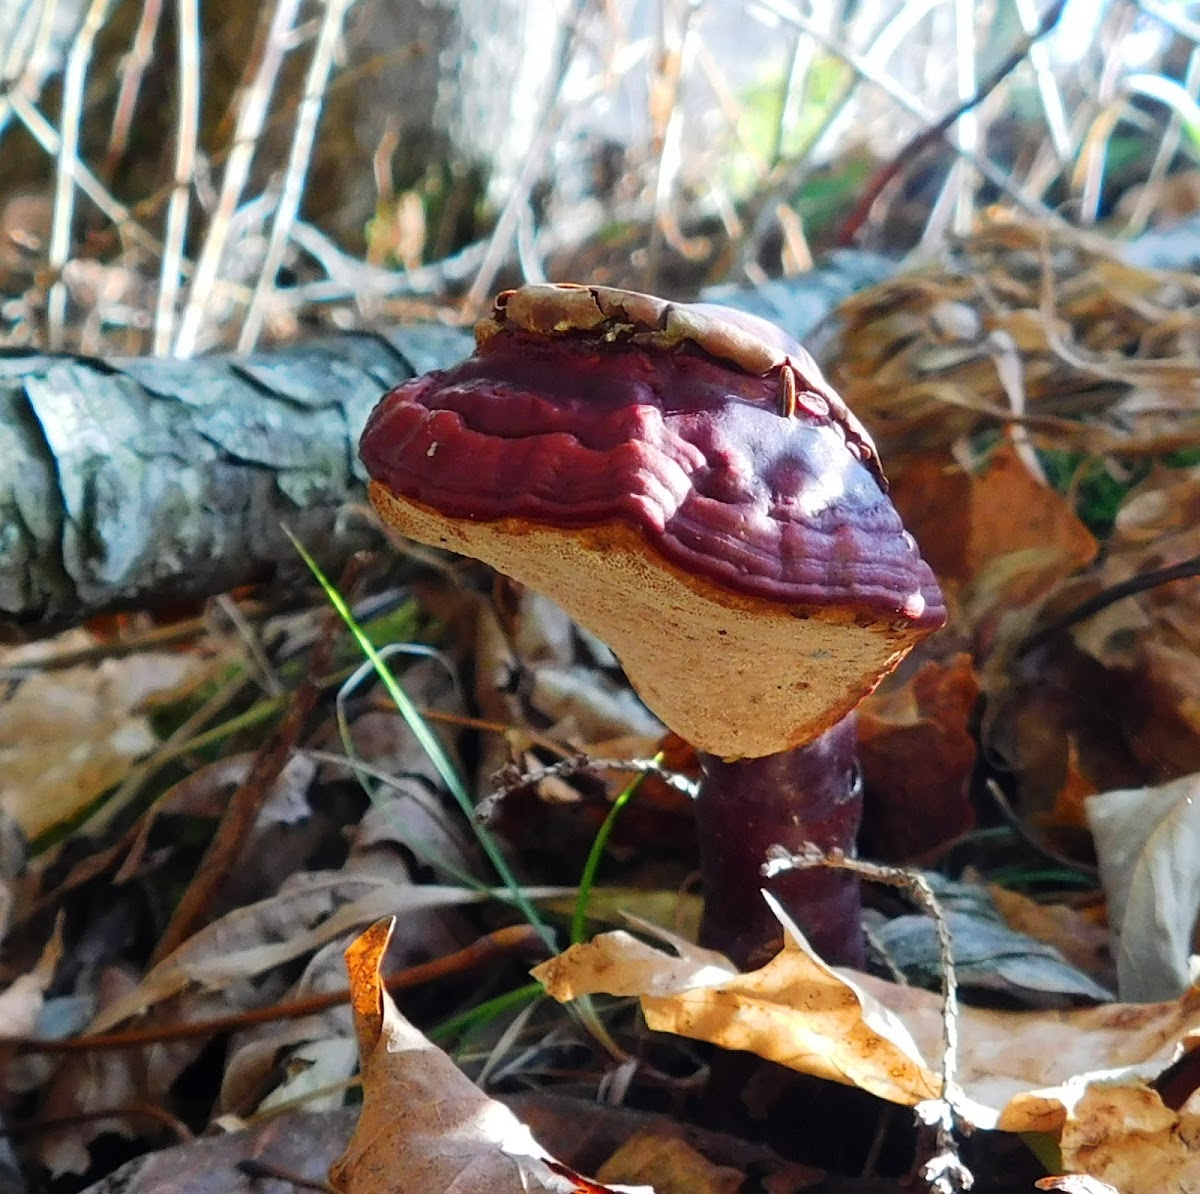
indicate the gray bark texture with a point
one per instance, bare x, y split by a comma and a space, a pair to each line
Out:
131, 482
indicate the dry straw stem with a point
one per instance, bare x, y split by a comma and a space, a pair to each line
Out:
548, 122
187, 132
945, 1172
297, 168
252, 112
869, 72
68, 149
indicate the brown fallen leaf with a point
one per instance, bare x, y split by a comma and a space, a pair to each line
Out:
917, 755
966, 522
1083, 943
669, 1165
1019, 1071
295, 1142
425, 1128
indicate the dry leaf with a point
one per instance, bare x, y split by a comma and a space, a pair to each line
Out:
68, 736
1122, 1134
425, 1128
1148, 844
917, 756
1020, 1071
1075, 1183
1082, 943
22, 1000
965, 523
669, 1165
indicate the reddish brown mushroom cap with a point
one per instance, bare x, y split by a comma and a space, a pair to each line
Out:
683, 481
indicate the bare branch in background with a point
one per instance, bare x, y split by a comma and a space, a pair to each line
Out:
252, 112
186, 134
297, 168
68, 147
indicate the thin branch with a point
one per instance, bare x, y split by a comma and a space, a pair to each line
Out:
945, 1172
133, 70
46, 135
187, 133
490, 948
548, 121
1184, 570
251, 113
68, 149
297, 168
511, 778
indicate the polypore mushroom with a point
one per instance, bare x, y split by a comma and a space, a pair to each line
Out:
686, 484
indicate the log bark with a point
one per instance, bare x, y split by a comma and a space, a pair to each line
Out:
131, 482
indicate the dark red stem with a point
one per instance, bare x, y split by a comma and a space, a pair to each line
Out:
810, 794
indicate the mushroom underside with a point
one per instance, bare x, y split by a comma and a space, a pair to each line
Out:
736, 676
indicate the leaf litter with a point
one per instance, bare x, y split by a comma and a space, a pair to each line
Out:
1042, 494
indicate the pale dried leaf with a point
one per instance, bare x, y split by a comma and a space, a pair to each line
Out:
1148, 845
22, 1001
68, 736
1075, 1183
1020, 1071
1121, 1133
311, 909
618, 963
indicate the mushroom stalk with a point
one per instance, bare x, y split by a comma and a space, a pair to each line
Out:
810, 794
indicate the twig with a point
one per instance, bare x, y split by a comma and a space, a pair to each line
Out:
244, 807
251, 113
64, 183
1022, 831
945, 1172
1048, 89
488, 949
150, 1111
1165, 154
257, 1169
34, 61
187, 133
936, 131
296, 172
133, 70
44, 133
511, 778
672, 63
1184, 570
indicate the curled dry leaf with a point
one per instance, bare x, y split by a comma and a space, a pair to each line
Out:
1150, 640
425, 1127
1019, 1071
1148, 844
1109, 700
967, 522
671, 1166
